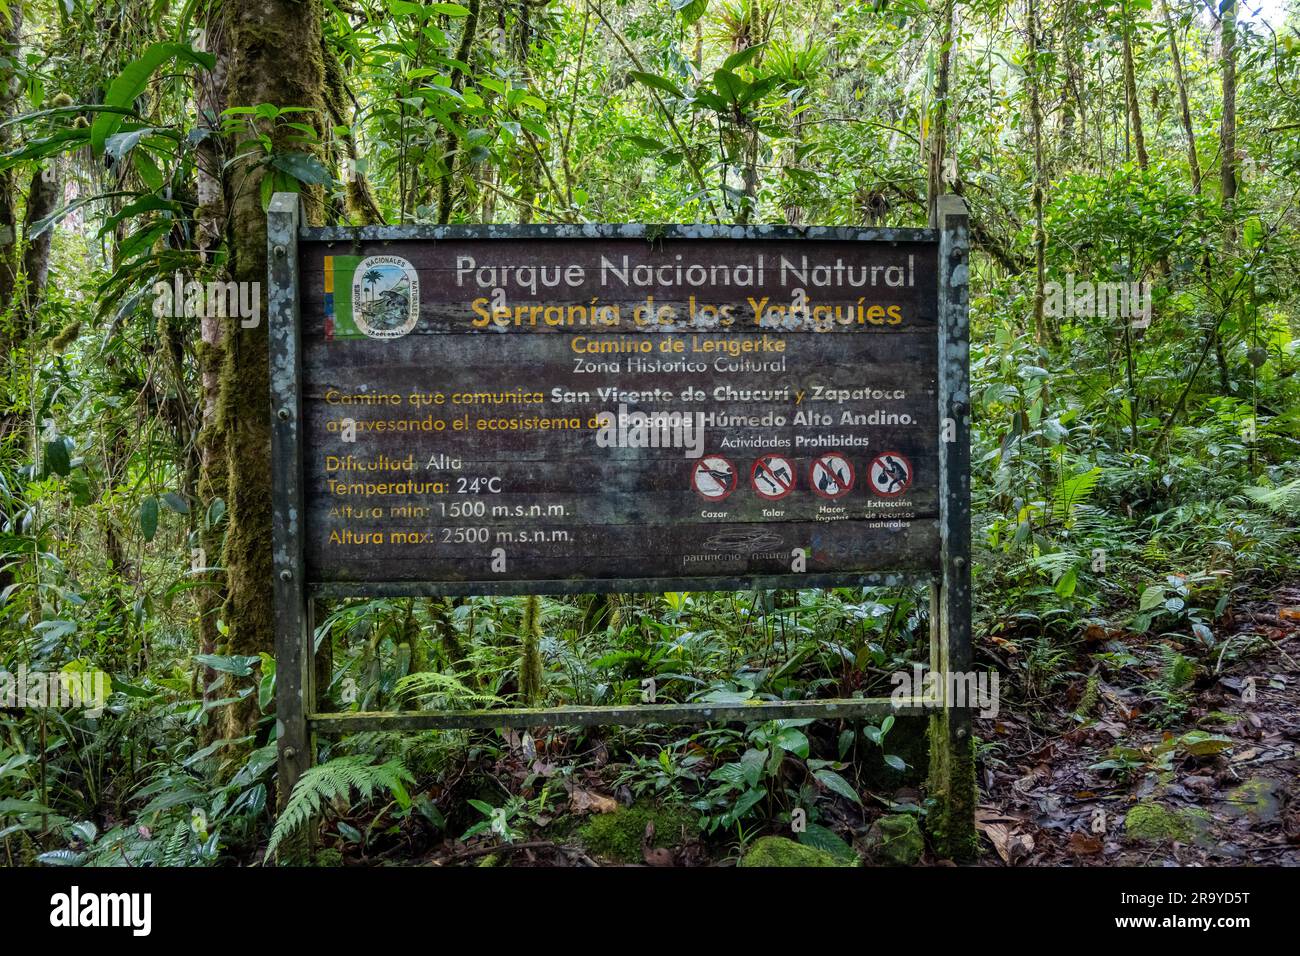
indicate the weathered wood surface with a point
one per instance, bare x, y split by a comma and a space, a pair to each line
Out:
476, 456
632, 716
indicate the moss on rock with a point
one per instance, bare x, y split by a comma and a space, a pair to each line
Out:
896, 840
779, 851
618, 835
1257, 799
1155, 823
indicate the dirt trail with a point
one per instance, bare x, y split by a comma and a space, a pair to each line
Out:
1126, 776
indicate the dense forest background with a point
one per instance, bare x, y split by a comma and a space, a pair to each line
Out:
1136, 483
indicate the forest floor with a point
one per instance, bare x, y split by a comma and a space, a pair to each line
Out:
1115, 761
1215, 786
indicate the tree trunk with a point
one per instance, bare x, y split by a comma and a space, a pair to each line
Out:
274, 57
1131, 94
938, 139
1041, 332
1185, 112
1227, 159
450, 150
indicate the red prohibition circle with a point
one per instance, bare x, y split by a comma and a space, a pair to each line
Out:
844, 489
730, 488
911, 474
754, 472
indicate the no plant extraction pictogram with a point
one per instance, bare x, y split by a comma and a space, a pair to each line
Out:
713, 478
831, 475
890, 474
772, 477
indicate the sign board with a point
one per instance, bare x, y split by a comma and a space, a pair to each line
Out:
577, 413
577, 408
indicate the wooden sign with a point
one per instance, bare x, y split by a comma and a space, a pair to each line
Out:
552, 409
578, 413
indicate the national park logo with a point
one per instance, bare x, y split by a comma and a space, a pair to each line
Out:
381, 297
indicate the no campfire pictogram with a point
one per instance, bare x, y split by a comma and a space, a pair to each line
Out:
831, 475
713, 478
890, 474
772, 477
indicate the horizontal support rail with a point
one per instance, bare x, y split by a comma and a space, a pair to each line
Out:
378, 589
629, 716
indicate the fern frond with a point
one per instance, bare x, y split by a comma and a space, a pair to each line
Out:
1280, 499
425, 684
338, 778
1070, 492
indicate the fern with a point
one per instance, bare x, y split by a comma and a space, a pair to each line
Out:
1282, 499
337, 779
426, 684
1070, 492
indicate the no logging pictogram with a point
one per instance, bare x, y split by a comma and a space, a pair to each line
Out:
713, 478
772, 477
890, 474
831, 475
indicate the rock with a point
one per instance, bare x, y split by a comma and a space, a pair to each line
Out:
1257, 798
1154, 823
779, 851
896, 840
620, 835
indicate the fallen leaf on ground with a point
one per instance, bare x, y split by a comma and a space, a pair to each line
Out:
588, 801
1083, 844
1010, 846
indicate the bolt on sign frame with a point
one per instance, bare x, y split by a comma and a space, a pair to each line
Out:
295, 248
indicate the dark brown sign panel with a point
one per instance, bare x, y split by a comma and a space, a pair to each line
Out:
609, 410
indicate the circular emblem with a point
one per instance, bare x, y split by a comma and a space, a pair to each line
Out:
831, 475
385, 296
890, 474
713, 478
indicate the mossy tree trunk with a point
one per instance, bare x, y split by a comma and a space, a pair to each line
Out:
274, 56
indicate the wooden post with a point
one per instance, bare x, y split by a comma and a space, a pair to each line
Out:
295, 690
952, 758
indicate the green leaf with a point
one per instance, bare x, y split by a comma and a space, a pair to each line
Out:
176, 503
657, 82
895, 761
645, 142
744, 56
132, 81
833, 781
729, 86
793, 741
1151, 597
822, 838
57, 461
1069, 581
239, 665
691, 10
303, 167
149, 517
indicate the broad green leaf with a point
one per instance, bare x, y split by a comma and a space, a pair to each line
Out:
661, 83
303, 167
1151, 597
742, 57
57, 461
132, 81
833, 781
149, 517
